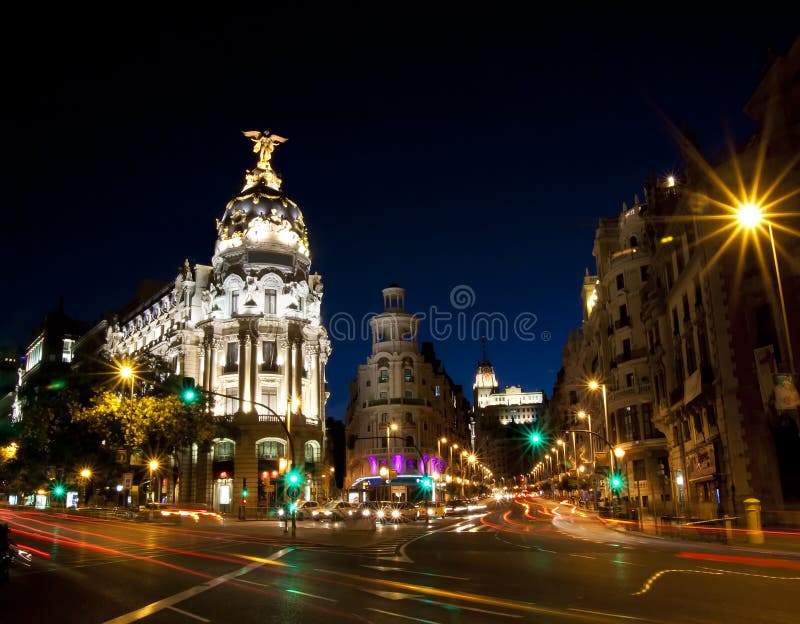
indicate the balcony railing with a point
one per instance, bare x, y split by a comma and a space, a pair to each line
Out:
396, 401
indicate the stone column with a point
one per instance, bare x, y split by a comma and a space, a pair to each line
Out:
243, 340
254, 369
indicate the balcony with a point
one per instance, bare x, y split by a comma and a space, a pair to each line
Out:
676, 394
396, 401
623, 322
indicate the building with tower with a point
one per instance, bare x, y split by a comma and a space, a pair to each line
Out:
402, 406
502, 419
247, 327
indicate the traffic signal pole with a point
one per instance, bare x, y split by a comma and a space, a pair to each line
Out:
189, 393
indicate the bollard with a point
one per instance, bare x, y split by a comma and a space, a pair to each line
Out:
728, 529
752, 508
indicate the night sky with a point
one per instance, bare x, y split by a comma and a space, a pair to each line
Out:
435, 150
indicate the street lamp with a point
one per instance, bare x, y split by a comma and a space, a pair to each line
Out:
439, 443
86, 474
594, 385
582, 414
153, 468
751, 216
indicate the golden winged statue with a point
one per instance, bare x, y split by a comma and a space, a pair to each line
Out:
263, 144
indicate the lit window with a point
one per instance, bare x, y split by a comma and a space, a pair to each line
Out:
437, 390
234, 302
66, 351
383, 375
270, 301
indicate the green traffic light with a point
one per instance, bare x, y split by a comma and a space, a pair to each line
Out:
536, 438
616, 482
427, 483
188, 395
244, 493
294, 478
58, 490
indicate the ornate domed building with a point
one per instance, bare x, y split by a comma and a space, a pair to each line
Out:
246, 328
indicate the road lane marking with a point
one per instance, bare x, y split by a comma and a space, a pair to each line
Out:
711, 571
466, 608
187, 614
616, 615
457, 595
391, 569
162, 604
583, 556
297, 591
405, 617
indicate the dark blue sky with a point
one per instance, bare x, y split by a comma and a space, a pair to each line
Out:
431, 150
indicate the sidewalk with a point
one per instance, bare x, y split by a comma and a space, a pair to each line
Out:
782, 541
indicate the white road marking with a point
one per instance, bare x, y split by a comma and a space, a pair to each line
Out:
405, 617
187, 614
617, 615
297, 591
160, 605
391, 569
463, 528
583, 556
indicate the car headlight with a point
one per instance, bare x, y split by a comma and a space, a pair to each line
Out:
380, 513
327, 513
431, 511
280, 512
395, 513
365, 512
314, 513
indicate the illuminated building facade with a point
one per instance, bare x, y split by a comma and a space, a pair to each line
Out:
402, 403
246, 327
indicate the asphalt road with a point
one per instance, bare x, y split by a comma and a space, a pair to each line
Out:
529, 562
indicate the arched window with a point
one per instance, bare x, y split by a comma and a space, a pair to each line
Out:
312, 451
634, 241
271, 448
409, 441
408, 374
409, 418
223, 450
383, 375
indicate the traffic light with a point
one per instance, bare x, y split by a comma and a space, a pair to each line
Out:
427, 483
244, 491
292, 507
536, 438
57, 384
294, 478
58, 490
188, 393
616, 482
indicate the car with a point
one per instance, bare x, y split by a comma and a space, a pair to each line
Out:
334, 510
305, 509
430, 510
399, 512
370, 509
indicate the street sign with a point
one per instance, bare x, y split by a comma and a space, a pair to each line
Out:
127, 480
293, 491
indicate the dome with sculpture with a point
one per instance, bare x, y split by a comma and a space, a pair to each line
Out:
261, 215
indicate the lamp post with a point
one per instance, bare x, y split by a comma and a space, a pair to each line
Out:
582, 414
389, 428
594, 385
461, 466
86, 474
750, 216
439, 443
450, 464
153, 468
